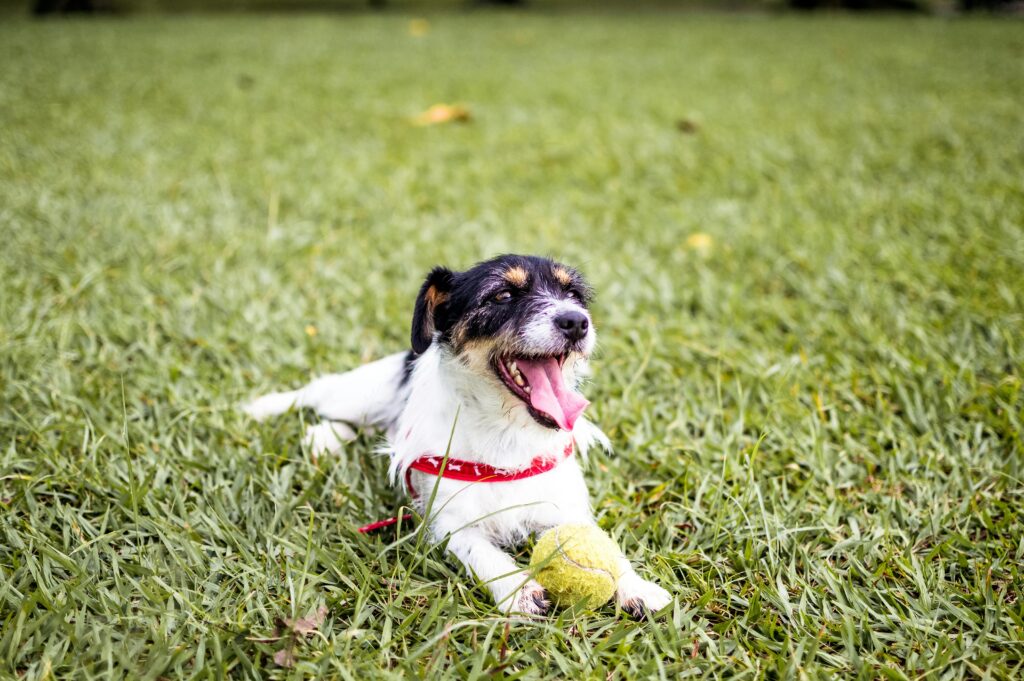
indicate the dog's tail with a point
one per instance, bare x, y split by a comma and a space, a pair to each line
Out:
368, 396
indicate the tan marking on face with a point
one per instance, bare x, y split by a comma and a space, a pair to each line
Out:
476, 354
484, 347
459, 335
517, 276
562, 275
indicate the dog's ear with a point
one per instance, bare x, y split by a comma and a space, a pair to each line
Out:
433, 294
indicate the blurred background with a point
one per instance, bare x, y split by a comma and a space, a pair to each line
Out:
46, 7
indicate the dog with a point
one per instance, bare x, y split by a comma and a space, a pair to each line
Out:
491, 381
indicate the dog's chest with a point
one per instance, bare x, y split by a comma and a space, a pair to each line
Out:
507, 511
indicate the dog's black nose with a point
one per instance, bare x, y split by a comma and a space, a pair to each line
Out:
573, 324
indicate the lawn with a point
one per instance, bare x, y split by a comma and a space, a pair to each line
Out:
807, 238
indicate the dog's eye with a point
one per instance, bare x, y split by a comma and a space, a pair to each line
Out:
574, 294
502, 297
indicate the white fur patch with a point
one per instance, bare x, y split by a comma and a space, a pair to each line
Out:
543, 336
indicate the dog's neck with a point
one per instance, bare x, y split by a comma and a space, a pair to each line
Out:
485, 423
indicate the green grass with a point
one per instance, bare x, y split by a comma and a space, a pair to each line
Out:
818, 419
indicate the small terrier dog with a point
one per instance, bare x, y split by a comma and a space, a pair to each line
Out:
492, 378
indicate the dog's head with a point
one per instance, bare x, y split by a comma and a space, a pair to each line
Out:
520, 322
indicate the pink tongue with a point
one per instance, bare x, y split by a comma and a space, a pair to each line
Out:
548, 392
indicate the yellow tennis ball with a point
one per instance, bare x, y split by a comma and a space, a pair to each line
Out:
577, 564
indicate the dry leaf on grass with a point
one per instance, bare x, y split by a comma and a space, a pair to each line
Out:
442, 113
284, 658
296, 629
687, 126
419, 28
700, 243
308, 625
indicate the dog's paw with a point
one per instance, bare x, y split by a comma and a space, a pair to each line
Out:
328, 437
641, 598
529, 599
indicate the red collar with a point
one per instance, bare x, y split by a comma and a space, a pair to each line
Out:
469, 471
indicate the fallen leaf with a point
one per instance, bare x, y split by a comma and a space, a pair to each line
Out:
419, 28
306, 626
687, 126
442, 113
522, 37
701, 243
285, 658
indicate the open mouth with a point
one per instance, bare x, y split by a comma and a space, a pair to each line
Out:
539, 383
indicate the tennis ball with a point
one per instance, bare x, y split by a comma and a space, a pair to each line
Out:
577, 564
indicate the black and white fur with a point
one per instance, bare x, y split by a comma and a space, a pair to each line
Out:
467, 328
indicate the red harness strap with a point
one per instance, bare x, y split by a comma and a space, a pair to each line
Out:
468, 471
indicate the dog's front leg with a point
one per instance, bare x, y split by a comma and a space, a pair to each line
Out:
512, 588
636, 595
